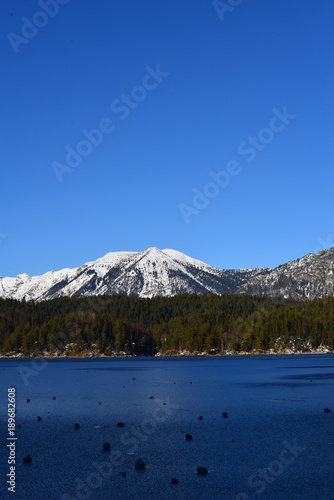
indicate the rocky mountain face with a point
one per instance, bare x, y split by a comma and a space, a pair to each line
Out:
311, 277
155, 272
150, 273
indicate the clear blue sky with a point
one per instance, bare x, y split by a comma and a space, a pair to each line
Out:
225, 77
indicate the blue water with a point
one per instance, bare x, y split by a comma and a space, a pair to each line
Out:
277, 442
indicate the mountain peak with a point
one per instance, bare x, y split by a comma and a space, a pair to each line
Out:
154, 272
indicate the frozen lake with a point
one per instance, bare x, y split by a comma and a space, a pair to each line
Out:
276, 442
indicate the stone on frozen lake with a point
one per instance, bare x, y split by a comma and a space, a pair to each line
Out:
140, 465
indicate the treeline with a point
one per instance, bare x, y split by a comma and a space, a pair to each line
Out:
194, 323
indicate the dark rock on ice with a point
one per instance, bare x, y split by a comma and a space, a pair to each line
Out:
26, 459
139, 465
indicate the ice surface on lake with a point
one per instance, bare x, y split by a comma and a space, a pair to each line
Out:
275, 404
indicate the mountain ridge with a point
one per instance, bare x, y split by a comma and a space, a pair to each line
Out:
168, 272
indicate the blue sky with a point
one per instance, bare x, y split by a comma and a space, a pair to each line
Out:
180, 90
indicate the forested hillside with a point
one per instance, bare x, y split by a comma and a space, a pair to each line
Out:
194, 323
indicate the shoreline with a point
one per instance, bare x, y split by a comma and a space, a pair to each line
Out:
181, 354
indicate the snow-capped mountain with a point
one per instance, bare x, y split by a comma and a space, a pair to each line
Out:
150, 273
155, 272
311, 277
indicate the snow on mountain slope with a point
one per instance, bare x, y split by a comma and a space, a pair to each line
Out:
150, 273
311, 277
155, 272
35, 287
184, 259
